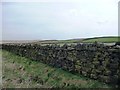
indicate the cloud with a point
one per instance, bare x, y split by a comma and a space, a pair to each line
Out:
74, 12
102, 22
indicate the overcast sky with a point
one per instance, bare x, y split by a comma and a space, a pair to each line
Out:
59, 20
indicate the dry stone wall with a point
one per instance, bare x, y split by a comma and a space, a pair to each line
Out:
95, 61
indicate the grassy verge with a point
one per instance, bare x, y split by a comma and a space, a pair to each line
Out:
20, 72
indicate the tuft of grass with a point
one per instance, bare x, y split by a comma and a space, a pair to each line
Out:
20, 72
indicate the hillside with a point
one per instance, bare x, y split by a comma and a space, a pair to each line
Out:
102, 39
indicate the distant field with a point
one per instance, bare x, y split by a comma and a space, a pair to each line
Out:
20, 72
86, 40
102, 39
69, 41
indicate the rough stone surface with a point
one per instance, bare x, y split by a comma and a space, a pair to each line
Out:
95, 61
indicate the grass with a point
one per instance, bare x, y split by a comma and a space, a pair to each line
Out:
20, 72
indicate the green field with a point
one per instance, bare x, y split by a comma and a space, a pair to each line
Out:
103, 39
20, 72
111, 39
108, 39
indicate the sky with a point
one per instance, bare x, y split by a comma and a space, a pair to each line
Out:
59, 20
